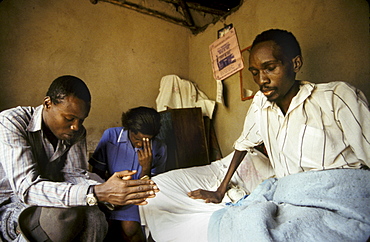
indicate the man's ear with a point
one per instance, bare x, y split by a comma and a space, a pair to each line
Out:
47, 102
297, 63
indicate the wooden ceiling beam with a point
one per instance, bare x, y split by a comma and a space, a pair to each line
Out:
187, 14
151, 12
198, 7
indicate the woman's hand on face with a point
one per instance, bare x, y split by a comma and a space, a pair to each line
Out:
145, 154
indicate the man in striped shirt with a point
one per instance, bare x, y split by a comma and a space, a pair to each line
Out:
309, 130
46, 192
304, 126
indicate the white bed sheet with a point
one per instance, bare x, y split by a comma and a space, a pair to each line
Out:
173, 216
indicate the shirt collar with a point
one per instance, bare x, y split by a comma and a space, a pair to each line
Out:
123, 136
305, 90
35, 125
36, 120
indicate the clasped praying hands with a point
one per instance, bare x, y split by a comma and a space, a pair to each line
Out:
120, 190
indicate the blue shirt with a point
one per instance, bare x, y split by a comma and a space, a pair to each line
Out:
115, 153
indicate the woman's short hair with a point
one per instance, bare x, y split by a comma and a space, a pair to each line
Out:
68, 85
142, 119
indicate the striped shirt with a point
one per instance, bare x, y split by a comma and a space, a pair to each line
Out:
327, 126
20, 162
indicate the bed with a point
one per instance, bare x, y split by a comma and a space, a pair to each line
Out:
331, 205
173, 216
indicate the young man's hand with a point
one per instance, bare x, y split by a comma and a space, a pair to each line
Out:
119, 189
208, 196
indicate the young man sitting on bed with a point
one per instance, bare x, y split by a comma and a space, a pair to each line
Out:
306, 128
316, 126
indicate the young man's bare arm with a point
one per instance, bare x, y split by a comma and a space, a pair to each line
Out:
218, 195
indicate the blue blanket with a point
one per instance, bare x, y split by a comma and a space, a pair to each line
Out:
331, 205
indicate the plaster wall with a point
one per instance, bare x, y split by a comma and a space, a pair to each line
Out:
119, 53
334, 37
122, 54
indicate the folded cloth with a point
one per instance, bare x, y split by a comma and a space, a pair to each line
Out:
330, 205
175, 92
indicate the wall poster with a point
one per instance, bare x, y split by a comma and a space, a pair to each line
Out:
225, 56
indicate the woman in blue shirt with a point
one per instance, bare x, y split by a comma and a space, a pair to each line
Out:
131, 147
